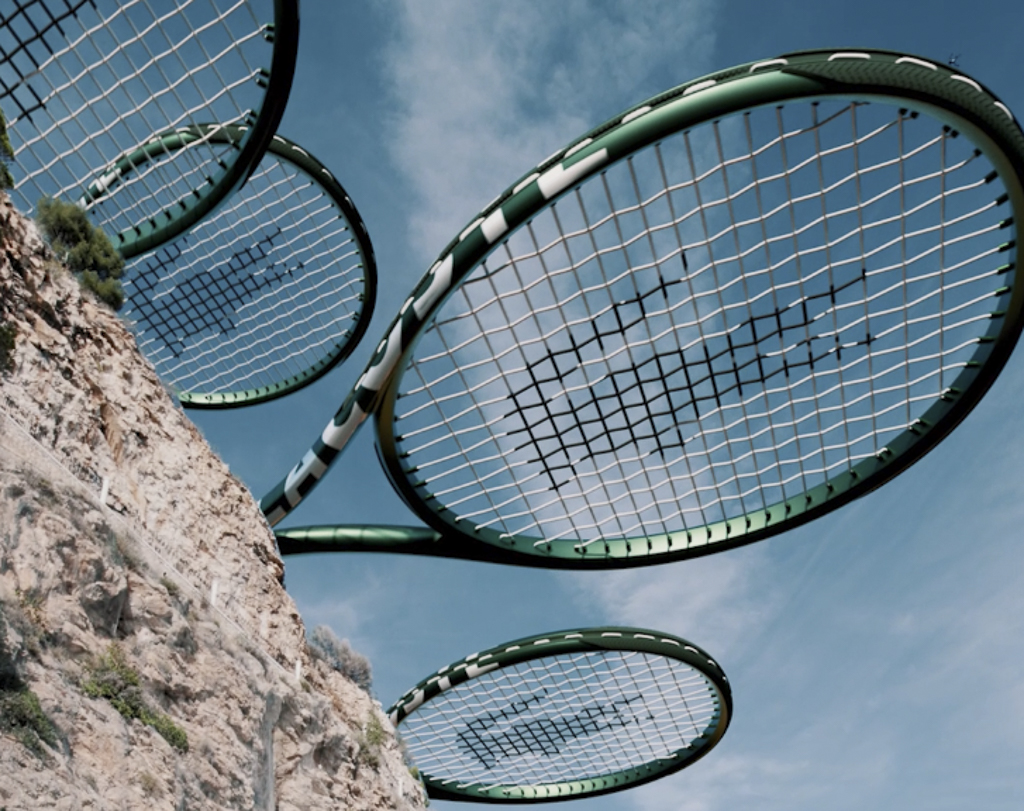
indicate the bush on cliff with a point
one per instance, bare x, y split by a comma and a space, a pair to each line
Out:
339, 654
84, 247
112, 678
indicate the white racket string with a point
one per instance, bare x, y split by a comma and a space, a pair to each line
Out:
84, 84
259, 293
561, 718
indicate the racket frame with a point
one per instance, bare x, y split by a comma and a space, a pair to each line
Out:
563, 643
292, 153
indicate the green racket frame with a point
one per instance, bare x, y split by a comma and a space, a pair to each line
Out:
582, 640
289, 152
156, 231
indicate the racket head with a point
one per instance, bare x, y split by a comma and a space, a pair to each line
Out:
90, 88
820, 383
263, 297
564, 715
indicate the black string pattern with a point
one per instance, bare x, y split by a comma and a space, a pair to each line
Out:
665, 386
542, 735
210, 300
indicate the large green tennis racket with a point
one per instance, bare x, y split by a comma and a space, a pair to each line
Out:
263, 297
728, 311
84, 83
564, 715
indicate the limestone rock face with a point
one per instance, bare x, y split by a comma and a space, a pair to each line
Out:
123, 538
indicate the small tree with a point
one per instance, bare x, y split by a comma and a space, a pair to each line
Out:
6, 155
339, 654
84, 247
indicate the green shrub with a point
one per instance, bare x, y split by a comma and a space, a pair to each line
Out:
84, 247
169, 731
324, 644
8, 332
23, 717
370, 741
112, 678
374, 733
6, 155
20, 712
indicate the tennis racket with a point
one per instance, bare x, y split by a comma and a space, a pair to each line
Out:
85, 83
726, 312
564, 715
266, 295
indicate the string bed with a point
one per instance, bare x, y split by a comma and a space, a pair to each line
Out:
561, 718
266, 290
725, 320
83, 84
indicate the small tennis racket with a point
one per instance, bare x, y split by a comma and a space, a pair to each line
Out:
84, 83
266, 295
728, 311
564, 715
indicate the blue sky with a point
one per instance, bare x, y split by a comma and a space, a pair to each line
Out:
876, 654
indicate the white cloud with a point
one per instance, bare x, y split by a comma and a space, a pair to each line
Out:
484, 91
718, 602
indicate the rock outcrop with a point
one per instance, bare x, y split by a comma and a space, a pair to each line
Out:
149, 655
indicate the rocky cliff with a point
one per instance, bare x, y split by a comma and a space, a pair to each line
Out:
149, 655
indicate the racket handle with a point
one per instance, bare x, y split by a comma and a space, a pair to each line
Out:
357, 538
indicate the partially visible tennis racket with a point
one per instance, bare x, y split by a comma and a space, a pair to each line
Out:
726, 312
84, 83
263, 297
564, 715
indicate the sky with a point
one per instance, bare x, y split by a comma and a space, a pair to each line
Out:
876, 655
